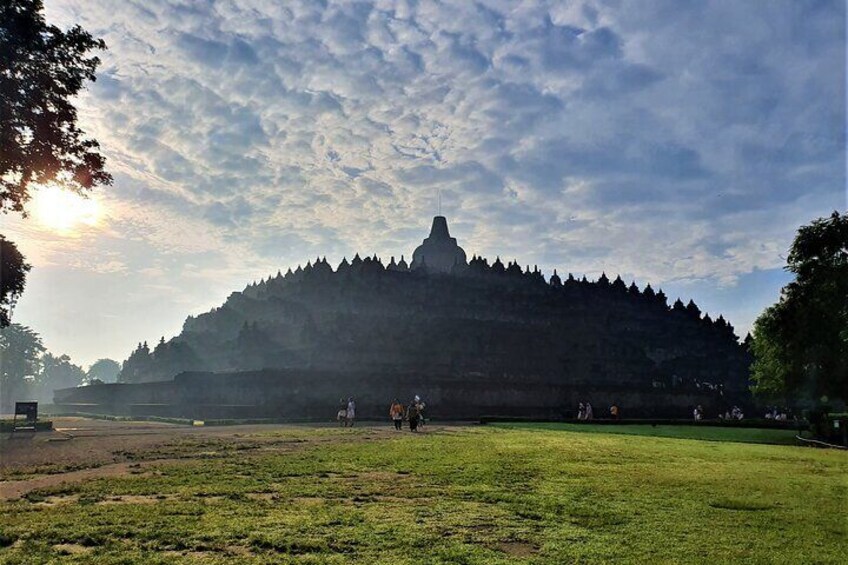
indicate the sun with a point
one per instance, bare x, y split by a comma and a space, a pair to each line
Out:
64, 211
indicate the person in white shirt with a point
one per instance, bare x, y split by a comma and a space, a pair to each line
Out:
351, 412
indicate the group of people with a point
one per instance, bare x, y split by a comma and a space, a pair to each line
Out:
346, 415
584, 411
412, 413
734, 413
775, 414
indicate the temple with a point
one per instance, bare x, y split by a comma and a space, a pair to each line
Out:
474, 337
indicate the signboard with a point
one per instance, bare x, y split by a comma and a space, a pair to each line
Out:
29, 413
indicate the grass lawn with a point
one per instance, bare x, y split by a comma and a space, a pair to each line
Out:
712, 433
486, 494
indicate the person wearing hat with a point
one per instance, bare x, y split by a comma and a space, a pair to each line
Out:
413, 413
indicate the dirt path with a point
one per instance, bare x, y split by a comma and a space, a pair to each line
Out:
81, 449
10, 490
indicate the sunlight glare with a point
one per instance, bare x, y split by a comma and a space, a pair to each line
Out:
64, 211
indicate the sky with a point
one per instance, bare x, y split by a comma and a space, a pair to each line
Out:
679, 144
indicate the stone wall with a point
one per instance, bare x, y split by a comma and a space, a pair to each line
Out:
315, 395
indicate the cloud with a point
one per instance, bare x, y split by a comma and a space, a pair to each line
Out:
669, 141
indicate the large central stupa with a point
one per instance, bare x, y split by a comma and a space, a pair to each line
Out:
439, 252
474, 338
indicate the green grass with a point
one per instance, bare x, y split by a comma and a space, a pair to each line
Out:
486, 494
711, 433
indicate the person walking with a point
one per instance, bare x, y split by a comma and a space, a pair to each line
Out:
420, 404
350, 414
341, 415
581, 412
396, 414
412, 415
589, 413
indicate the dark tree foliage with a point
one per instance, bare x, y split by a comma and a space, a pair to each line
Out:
137, 365
166, 360
57, 371
800, 344
28, 371
41, 69
20, 351
13, 271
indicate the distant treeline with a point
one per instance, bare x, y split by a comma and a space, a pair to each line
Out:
30, 372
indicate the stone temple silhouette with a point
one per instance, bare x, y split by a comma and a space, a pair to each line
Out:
474, 338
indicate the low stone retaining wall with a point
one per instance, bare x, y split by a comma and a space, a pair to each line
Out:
316, 396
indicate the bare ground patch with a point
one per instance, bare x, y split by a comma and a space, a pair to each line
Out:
97, 449
309, 500
517, 548
136, 499
263, 496
90, 443
10, 490
71, 549
229, 551
55, 500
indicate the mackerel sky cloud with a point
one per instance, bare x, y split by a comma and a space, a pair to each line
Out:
676, 143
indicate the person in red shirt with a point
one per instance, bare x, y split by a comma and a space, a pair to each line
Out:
396, 414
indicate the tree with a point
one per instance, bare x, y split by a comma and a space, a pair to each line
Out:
20, 351
138, 365
103, 370
172, 358
57, 372
41, 69
800, 344
13, 270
